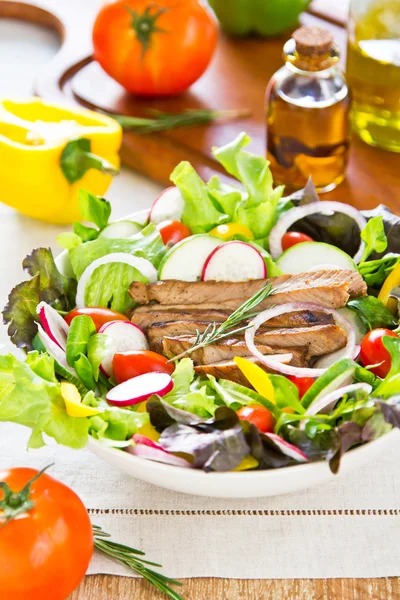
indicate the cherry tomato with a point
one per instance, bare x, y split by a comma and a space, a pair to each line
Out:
373, 351
45, 551
155, 48
303, 384
173, 232
137, 362
259, 416
291, 238
100, 316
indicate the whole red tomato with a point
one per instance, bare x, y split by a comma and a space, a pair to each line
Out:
373, 351
99, 316
45, 550
154, 48
291, 238
137, 362
173, 232
259, 416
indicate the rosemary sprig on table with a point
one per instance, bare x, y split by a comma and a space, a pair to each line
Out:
163, 121
132, 559
216, 332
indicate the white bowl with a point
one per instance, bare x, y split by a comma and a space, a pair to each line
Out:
245, 484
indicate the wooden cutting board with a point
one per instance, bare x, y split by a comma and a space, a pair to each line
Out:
236, 78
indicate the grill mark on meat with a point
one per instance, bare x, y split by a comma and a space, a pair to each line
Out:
148, 318
319, 340
330, 288
224, 350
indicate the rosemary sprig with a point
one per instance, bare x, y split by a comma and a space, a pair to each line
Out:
163, 121
216, 332
132, 559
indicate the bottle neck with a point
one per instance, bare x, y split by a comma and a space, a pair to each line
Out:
317, 63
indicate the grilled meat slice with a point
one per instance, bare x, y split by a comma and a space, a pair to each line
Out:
152, 314
319, 340
329, 288
229, 370
224, 350
158, 331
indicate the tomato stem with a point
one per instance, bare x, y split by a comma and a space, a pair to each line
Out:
16, 503
144, 25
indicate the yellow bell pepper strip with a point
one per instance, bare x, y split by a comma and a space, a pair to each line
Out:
229, 230
248, 462
258, 378
73, 402
147, 430
392, 281
48, 153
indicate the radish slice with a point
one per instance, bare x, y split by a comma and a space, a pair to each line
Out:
276, 311
234, 261
141, 264
53, 324
168, 206
287, 449
327, 402
140, 388
295, 214
146, 448
54, 350
124, 336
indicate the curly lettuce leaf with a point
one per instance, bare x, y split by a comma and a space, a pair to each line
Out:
186, 394
147, 244
199, 212
390, 386
115, 423
34, 400
48, 285
227, 196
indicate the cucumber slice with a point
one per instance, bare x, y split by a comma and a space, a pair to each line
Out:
185, 260
335, 377
121, 229
309, 256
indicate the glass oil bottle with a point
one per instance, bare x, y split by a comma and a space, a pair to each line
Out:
307, 113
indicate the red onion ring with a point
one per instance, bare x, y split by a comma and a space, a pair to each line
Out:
295, 214
276, 311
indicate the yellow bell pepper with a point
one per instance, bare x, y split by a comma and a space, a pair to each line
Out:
258, 378
73, 402
48, 153
392, 281
229, 230
147, 430
249, 462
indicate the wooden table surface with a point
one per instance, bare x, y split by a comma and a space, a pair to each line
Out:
105, 587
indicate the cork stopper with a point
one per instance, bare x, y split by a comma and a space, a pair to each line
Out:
313, 41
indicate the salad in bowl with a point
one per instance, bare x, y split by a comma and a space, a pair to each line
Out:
230, 331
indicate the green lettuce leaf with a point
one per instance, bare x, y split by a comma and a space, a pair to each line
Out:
227, 196
94, 209
390, 386
374, 237
374, 272
372, 312
97, 349
115, 423
84, 371
186, 394
80, 330
68, 240
147, 244
199, 213
48, 285
109, 284
29, 399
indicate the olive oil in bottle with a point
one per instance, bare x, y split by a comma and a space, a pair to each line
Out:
307, 112
373, 71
